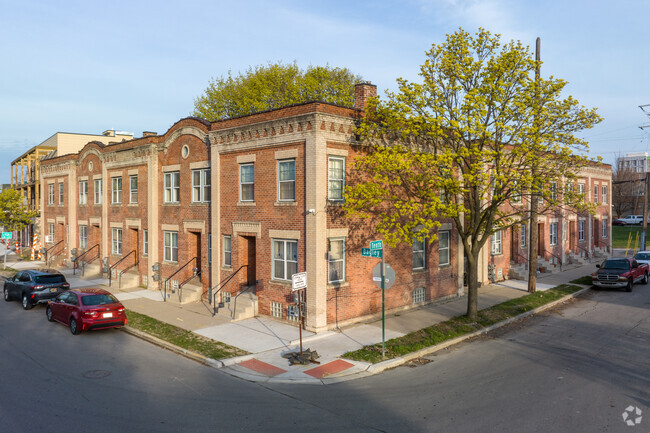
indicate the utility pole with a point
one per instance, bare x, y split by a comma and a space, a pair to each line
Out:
646, 188
533, 232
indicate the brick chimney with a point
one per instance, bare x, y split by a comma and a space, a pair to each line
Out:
148, 134
362, 92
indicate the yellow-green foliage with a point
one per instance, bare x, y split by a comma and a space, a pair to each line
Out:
272, 86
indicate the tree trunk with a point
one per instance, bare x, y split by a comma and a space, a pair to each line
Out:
472, 287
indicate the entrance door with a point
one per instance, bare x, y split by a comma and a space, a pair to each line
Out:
133, 242
194, 239
247, 254
572, 235
596, 231
540, 240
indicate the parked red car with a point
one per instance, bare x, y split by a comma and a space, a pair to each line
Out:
86, 309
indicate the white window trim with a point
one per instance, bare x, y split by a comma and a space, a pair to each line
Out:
448, 247
227, 263
423, 252
171, 191
61, 197
50, 193
116, 193
331, 261
203, 187
98, 191
496, 243
522, 235
553, 234
145, 242
241, 183
83, 236
285, 260
83, 192
330, 180
116, 241
168, 250
133, 193
280, 162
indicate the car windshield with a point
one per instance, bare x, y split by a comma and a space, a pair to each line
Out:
98, 299
49, 279
615, 264
642, 256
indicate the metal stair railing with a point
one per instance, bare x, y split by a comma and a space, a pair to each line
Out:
553, 255
221, 285
234, 306
110, 270
76, 262
48, 256
170, 277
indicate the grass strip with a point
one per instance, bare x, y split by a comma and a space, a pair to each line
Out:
459, 325
586, 280
181, 337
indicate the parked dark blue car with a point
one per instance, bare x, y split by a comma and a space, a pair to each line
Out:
35, 287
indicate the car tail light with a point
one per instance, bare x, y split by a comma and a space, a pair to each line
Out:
90, 313
65, 285
37, 287
120, 309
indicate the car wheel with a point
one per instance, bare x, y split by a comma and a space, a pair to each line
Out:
6, 294
48, 313
26, 304
645, 279
630, 283
73, 326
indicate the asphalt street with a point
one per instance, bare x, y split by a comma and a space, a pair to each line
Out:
574, 369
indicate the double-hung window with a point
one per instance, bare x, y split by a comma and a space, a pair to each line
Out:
50, 227
553, 191
133, 189
604, 194
201, 185
581, 190
522, 241
50, 193
553, 234
336, 178
117, 241
336, 259
145, 242
227, 259
287, 180
60, 193
83, 192
285, 259
595, 193
247, 182
581, 230
172, 187
604, 228
98, 191
83, 237
443, 248
171, 246
418, 254
495, 243
116, 190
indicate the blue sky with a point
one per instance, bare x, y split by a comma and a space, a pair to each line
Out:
87, 66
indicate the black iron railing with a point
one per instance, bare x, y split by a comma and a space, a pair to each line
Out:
234, 305
172, 275
83, 255
110, 270
48, 255
220, 286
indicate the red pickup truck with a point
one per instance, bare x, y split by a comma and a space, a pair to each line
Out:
619, 273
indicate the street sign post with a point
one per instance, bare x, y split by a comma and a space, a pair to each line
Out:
377, 250
299, 282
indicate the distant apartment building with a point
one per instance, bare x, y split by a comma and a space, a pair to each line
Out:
25, 169
634, 162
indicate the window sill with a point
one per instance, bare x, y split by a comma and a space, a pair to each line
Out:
285, 283
245, 203
175, 203
338, 284
419, 271
116, 204
444, 266
199, 203
285, 203
335, 202
226, 268
133, 205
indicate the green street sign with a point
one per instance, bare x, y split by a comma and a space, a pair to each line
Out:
365, 252
376, 245
6, 235
376, 253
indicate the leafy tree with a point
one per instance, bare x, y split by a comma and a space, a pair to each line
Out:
462, 143
273, 86
13, 215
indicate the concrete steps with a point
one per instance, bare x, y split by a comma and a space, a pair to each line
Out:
187, 294
240, 307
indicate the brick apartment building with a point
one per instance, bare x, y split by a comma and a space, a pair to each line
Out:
258, 198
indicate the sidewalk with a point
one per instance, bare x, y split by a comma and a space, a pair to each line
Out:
267, 340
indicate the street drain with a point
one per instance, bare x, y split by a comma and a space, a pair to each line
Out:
96, 374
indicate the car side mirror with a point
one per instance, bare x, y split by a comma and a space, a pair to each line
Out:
636, 265
598, 266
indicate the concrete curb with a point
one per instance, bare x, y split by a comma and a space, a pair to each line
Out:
396, 362
166, 345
